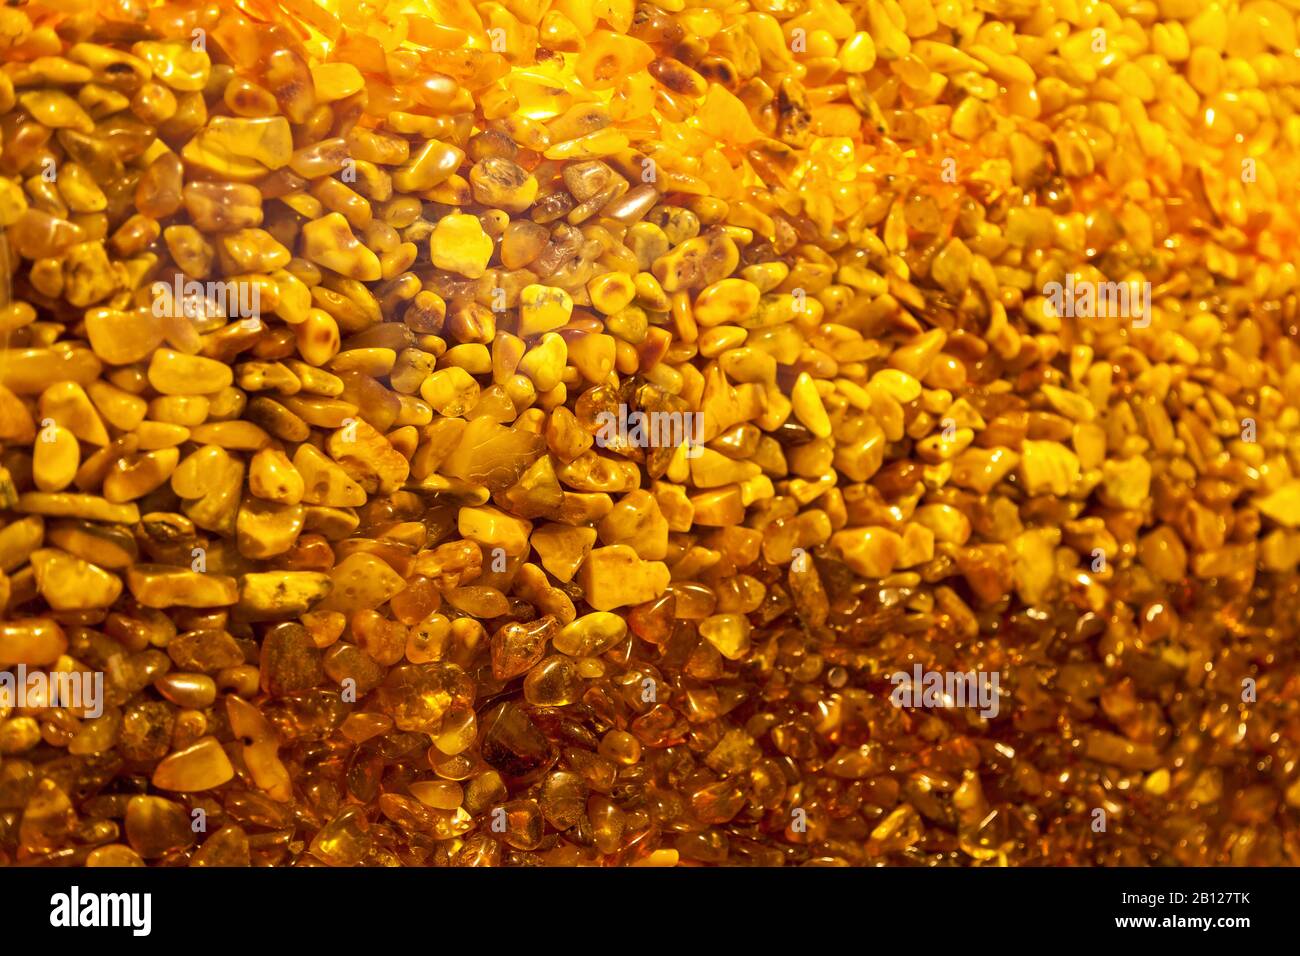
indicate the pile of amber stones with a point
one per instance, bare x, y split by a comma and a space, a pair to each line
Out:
317, 319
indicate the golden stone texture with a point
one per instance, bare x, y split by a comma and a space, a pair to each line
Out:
343, 527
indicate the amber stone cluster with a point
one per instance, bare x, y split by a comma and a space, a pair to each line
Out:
312, 319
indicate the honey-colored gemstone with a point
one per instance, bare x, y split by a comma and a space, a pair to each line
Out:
1282, 504
727, 301
31, 371
156, 826
108, 546
729, 633
70, 584
282, 593
324, 482
138, 475
55, 458
272, 476
175, 373
114, 855
1127, 483
68, 405
432, 164
980, 469
871, 552
543, 308
361, 581
492, 528
808, 406
330, 242
201, 766
155, 585
34, 641
459, 244
16, 423
591, 635
503, 184
450, 391
553, 682
239, 148
562, 548
1163, 554
363, 451
65, 504
1050, 468
616, 576
335, 81
636, 521
611, 292
516, 646
265, 529
544, 363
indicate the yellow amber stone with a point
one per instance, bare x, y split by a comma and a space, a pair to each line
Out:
68, 405
175, 373
181, 66
34, 641
727, 301
1127, 483
459, 244
159, 586
361, 581
615, 576
493, 528
729, 633
591, 635
562, 548
282, 593
1048, 467
1282, 504
335, 81
432, 164
542, 309
611, 292
55, 457
330, 242
239, 148
872, 552
544, 363
201, 766
450, 391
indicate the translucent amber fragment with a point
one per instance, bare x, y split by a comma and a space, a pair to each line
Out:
553, 682
343, 841
34, 641
517, 647
417, 696
201, 766
290, 660
729, 633
156, 826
